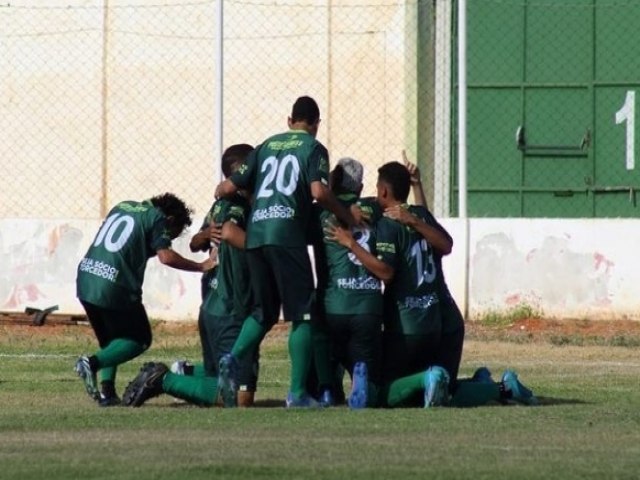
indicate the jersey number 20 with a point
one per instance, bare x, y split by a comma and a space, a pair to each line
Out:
277, 169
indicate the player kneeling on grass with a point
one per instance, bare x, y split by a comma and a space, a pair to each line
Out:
478, 390
109, 284
413, 319
347, 335
226, 302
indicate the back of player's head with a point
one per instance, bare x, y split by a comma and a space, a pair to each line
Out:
177, 213
347, 176
305, 109
234, 156
397, 177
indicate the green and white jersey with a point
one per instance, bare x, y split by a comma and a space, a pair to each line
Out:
227, 291
112, 272
347, 287
451, 318
411, 298
279, 172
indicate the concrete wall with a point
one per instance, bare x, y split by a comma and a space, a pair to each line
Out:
562, 268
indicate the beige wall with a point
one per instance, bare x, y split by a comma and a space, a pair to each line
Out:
85, 127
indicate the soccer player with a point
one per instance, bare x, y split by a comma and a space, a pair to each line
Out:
404, 261
109, 284
349, 296
226, 302
480, 389
286, 173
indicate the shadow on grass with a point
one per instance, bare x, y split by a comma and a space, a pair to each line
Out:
267, 403
547, 401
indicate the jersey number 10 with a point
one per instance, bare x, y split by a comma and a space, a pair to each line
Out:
115, 232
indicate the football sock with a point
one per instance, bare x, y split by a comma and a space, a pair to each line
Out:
119, 351
197, 390
108, 374
322, 357
300, 352
249, 338
107, 388
402, 389
474, 394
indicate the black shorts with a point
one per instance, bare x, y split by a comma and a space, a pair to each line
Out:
408, 354
452, 319
281, 277
217, 335
108, 324
356, 338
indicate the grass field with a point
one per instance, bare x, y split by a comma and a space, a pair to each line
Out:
588, 424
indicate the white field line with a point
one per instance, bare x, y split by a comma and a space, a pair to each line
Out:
36, 355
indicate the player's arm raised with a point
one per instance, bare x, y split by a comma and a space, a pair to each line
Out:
416, 182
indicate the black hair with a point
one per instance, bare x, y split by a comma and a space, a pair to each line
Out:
397, 177
305, 109
234, 156
177, 213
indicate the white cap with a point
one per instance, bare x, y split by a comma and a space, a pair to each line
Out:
352, 178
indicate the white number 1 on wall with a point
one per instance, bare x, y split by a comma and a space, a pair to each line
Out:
627, 114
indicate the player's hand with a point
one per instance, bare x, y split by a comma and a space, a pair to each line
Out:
401, 214
413, 169
213, 254
219, 190
215, 234
360, 217
336, 233
211, 261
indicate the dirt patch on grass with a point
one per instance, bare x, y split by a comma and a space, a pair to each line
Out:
569, 331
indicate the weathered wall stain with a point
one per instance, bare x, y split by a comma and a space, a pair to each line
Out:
38, 261
552, 274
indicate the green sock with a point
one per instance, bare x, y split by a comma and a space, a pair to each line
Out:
198, 370
322, 356
108, 374
300, 352
475, 394
197, 390
249, 338
402, 389
119, 351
